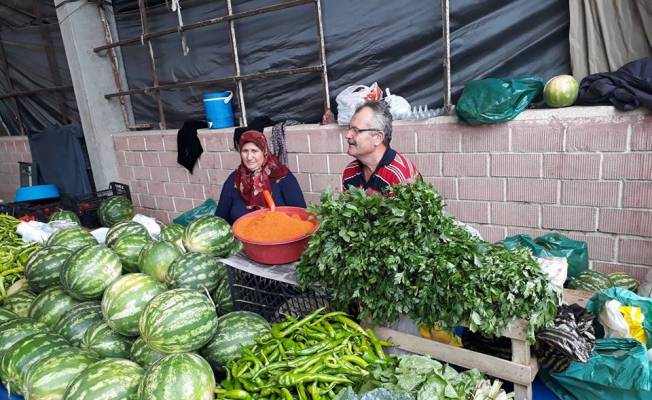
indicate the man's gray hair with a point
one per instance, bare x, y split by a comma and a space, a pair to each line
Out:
381, 117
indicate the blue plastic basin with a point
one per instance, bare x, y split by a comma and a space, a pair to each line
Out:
38, 192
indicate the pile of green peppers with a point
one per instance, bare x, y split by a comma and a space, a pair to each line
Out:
308, 359
14, 253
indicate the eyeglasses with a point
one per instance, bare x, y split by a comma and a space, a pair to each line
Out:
358, 130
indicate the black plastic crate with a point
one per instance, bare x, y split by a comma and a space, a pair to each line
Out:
86, 205
40, 211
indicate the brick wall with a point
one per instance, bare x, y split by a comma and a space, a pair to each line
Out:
12, 150
586, 172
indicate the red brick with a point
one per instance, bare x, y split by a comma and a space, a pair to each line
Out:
637, 272
337, 162
136, 143
532, 190
296, 141
209, 161
150, 159
635, 251
485, 138
600, 247
322, 182
518, 165
312, 198
637, 194
170, 142
443, 138
465, 164
293, 162
160, 215
469, 211
404, 139
325, 142
490, 233
230, 160
626, 221
182, 204
154, 143
194, 191
120, 158
627, 166
573, 166
515, 214
313, 163
165, 203
156, 188
568, 218
178, 174
597, 137
218, 176
168, 159
133, 158
590, 193
142, 173
446, 187
428, 164
213, 191
642, 135
126, 173
174, 189
159, 174
173, 214
138, 187
120, 143
304, 181
147, 201
215, 142
199, 176
481, 189
533, 233
537, 138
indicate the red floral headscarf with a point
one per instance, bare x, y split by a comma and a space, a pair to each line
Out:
251, 184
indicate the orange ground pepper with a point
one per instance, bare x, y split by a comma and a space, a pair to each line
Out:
274, 226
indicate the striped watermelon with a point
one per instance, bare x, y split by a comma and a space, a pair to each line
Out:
235, 329
110, 379
196, 271
222, 297
125, 299
88, 271
156, 257
48, 378
590, 281
623, 280
115, 209
26, 352
49, 306
74, 323
209, 235
72, 238
19, 303
178, 320
123, 229
173, 233
178, 376
6, 315
13, 330
64, 215
142, 354
44, 266
104, 342
128, 248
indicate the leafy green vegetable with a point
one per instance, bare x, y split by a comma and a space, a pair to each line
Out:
376, 394
401, 254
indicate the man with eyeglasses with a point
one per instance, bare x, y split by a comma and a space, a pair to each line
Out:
376, 164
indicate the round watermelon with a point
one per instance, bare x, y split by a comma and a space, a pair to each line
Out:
156, 257
128, 248
561, 91
88, 271
13, 330
623, 280
44, 266
179, 320
6, 315
590, 281
76, 321
195, 271
64, 215
209, 235
49, 306
235, 329
110, 379
48, 378
115, 209
173, 233
104, 342
72, 238
123, 229
142, 354
25, 353
19, 303
222, 297
125, 299
178, 376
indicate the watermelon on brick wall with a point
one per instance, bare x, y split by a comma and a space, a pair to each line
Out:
178, 376
48, 378
209, 235
115, 379
156, 257
19, 303
142, 354
49, 306
74, 323
128, 248
196, 271
123, 229
43, 268
561, 91
88, 271
104, 342
72, 238
64, 215
115, 209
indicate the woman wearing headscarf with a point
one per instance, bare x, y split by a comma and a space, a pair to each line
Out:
259, 170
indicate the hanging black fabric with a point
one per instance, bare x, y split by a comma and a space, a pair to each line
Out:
189, 146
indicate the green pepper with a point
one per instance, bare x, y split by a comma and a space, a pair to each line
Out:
285, 330
233, 394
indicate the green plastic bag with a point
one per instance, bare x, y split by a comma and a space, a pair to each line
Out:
555, 245
208, 207
490, 101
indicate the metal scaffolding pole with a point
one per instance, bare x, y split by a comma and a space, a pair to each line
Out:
328, 115
5, 68
445, 16
236, 60
152, 59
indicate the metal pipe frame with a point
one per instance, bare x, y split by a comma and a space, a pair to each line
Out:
12, 96
236, 60
446, 58
322, 56
35, 91
152, 59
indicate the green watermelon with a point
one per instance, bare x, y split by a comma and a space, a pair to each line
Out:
156, 257
64, 215
76, 321
128, 248
179, 320
104, 342
13, 330
19, 303
44, 266
178, 376
48, 378
209, 235
24, 353
142, 354
125, 299
123, 229
222, 297
590, 281
172, 233
623, 280
561, 91
110, 379
72, 238
195, 271
6, 315
49, 306
88, 271
115, 209
235, 329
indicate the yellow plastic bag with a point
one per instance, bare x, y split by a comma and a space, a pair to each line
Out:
634, 318
440, 335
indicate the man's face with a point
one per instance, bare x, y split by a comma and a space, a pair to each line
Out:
362, 137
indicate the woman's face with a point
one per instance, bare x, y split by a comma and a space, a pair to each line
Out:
252, 156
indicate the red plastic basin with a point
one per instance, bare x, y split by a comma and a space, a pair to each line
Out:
272, 253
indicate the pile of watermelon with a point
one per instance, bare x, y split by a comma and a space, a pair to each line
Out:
130, 318
595, 281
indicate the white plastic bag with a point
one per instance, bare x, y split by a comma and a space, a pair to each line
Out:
556, 268
351, 98
398, 106
100, 234
150, 224
613, 321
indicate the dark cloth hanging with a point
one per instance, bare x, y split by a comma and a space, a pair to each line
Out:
258, 124
189, 146
279, 145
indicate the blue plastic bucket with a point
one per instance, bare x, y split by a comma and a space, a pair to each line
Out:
219, 109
